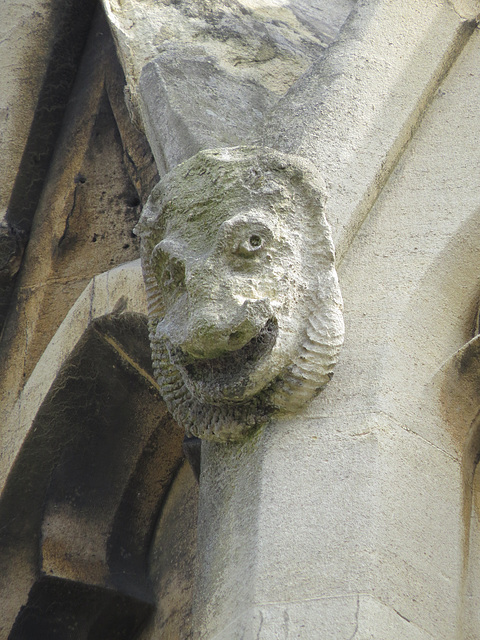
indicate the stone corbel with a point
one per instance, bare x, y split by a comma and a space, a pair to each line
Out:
244, 304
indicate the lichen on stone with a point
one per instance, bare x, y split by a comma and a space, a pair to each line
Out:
245, 310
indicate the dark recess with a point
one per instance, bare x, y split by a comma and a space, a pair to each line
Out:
74, 18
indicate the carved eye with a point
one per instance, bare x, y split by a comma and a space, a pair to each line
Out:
251, 245
255, 241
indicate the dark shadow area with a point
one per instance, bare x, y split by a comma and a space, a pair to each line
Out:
80, 506
73, 24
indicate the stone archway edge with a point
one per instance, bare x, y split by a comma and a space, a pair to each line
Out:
120, 289
354, 112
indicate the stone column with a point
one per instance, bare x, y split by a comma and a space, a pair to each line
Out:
346, 519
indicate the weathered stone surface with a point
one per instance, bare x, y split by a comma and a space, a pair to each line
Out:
244, 305
101, 172
348, 617
358, 518
192, 103
12, 244
356, 108
205, 74
40, 44
272, 43
89, 476
471, 614
40, 47
119, 290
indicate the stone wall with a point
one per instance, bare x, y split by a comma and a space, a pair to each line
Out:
354, 516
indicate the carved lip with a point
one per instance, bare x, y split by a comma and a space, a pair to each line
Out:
226, 377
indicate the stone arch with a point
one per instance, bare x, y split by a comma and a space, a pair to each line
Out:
449, 296
98, 455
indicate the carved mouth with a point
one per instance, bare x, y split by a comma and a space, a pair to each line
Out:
225, 378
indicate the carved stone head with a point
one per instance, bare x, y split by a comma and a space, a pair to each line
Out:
244, 306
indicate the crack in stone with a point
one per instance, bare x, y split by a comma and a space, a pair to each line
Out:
124, 355
261, 625
69, 215
399, 614
286, 621
356, 619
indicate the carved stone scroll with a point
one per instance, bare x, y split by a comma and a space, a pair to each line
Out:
244, 304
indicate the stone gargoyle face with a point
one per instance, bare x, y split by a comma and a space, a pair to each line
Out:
244, 306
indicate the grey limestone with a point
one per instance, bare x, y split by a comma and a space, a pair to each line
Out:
244, 304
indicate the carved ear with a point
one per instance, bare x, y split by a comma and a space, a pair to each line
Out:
156, 308
145, 228
324, 335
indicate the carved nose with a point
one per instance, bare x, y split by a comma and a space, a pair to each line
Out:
212, 335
